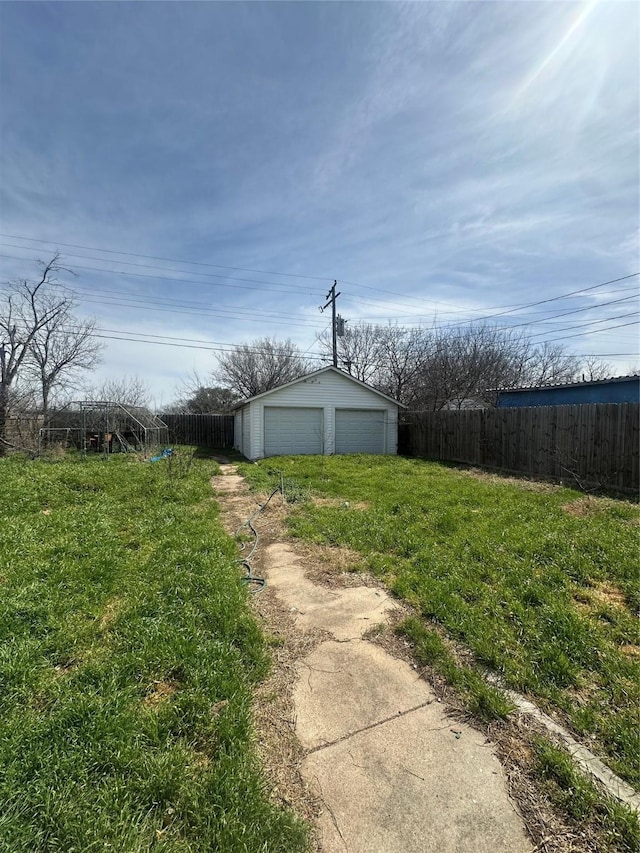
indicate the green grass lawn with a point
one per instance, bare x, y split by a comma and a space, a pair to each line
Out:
542, 586
127, 659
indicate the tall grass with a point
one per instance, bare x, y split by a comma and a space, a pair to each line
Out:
127, 659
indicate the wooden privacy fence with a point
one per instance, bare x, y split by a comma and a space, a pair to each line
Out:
592, 445
202, 430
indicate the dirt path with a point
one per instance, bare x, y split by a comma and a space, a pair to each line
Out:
356, 740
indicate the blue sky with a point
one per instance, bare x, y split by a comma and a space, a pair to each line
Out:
441, 160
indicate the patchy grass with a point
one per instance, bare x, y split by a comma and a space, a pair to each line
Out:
128, 657
547, 597
572, 792
484, 701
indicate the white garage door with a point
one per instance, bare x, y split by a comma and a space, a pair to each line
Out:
359, 431
289, 431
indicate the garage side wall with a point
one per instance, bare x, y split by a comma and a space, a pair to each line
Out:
241, 430
328, 391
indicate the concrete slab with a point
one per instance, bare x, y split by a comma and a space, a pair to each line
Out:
345, 613
410, 785
345, 687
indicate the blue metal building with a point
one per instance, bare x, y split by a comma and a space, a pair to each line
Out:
618, 389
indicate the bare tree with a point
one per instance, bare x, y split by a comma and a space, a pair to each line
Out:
265, 363
358, 350
402, 351
26, 308
462, 366
438, 367
59, 350
454, 367
593, 368
544, 364
127, 390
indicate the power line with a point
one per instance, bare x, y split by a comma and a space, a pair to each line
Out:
160, 303
192, 346
284, 288
226, 346
593, 331
207, 264
316, 341
197, 263
636, 294
309, 321
212, 314
150, 305
175, 308
225, 277
553, 317
545, 320
239, 313
266, 272
407, 296
442, 326
160, 258
259, 350
522, 307
555, 298
127, 297
218, 346
588, 323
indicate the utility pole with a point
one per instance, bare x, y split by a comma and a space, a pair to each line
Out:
331, 300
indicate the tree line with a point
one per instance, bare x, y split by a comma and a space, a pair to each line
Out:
426, 369
432, 368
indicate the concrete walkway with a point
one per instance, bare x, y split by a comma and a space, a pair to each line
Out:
395, 773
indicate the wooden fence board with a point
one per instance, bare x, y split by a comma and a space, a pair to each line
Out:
593, 445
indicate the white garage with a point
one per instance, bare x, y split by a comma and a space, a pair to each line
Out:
325, 412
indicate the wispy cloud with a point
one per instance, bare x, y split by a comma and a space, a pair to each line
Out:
471, 154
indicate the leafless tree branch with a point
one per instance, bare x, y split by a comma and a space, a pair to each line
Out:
250, 369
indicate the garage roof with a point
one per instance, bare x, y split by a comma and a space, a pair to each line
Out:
318, 373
